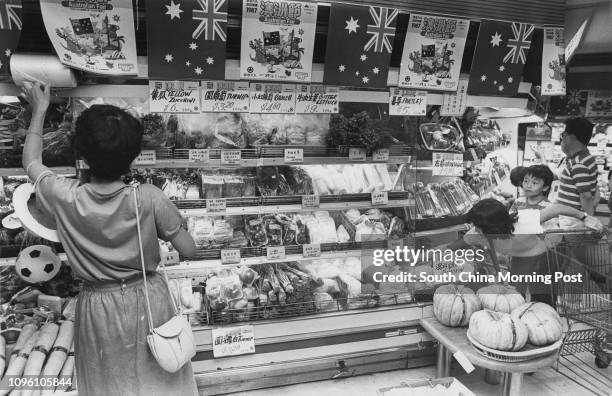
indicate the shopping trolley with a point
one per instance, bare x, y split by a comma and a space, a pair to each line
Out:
586, 306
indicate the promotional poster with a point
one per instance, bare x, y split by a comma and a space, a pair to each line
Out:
553, 62
277, 40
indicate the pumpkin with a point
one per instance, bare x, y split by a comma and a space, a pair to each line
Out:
453, 305
500, 298
543, 323
498, 330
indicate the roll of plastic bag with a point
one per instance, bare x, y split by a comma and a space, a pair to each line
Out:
41, 68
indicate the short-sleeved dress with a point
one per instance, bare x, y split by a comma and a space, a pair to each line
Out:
97, 227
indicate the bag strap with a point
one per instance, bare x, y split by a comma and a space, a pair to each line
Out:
493, 255
144, 269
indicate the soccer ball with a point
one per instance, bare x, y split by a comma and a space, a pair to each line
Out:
37, 263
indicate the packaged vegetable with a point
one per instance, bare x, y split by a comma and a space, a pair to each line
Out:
222, 232
329, 286
342, 234
201, 230
268, 181
352, 215
238, 240
255, 231
212, 187
324, 301
274, 231
233, 187
247, 275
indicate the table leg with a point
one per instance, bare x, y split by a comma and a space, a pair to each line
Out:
444, 362
511, 384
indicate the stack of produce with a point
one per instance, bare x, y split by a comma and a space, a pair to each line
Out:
187, 300
485, 135
286, 129
441, 137
349, 179
451, 198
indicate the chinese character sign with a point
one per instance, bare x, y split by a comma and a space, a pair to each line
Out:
277, 40
553, 62
433, 51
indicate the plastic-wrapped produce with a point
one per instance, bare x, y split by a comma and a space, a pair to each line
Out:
255, 231
262, 129
215, 293
289, 229
383, 172
438, 198
321, 228
454, 198
301, 232
298, 179
373, 178
233, 187
468, 191
192, 192
274, 231
337, 182
342, 234
222, 232
249, 187
212, 187
238, 240
268, 180
397, 228
369, 231
425, 206
352, 215
201, 230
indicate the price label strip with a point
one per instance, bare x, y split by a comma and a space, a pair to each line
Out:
447, 164
230, 256
275, 252
294, 155
272, 98
216, 205
174, 96
406, 102
146, 157
311, 250
199, 155
231, 157
380, 155
310, 201
317, 99
380, 198
357, 154
225, 96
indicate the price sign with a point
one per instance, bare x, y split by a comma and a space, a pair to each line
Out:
198, 155
310, 201
146, 157
230, 256
275, 252
311, 250
231, 157
357, 154
233, 341
380, 198
380, 155
317, 99
294, 155
405, 102
272, 98
225, 96
455, 103
216, 205
447, 164
174, 97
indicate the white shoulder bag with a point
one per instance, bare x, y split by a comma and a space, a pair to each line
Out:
172, 343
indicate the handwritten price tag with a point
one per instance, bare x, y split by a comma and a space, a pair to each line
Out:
380, 198
455, 103
357, 154
272, 98
275, 252
233, 341
216, 205
231, 157
447, 164
317, 99
294, 155
230, 256
225, 96
380, 155
310, 201
146, 157
405, 102
174, 97
198, 155
312, 250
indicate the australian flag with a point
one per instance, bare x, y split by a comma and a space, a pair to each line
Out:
271, 38
572, 104
10, 31
82, 26
359, 45
499, 58
428, 51
186, 39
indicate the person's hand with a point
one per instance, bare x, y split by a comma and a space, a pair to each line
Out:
593, 223
38, 95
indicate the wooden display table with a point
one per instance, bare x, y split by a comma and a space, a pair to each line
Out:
452, 340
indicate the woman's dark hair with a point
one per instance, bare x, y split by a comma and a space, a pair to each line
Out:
543, 173
517, 175
492, 217
108, 138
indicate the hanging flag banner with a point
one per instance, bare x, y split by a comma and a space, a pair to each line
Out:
174, 96
95, 35
10, 31
225, 96
317, 99
499, 58
272, 98
277, 40
572, 104
186, 39
407, 102
455, 103
432, 53
599, 104
359, 45
553, 62
574, 42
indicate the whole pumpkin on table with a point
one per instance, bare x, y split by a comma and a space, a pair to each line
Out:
498, 330
543, 323
453, 305
500, 298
